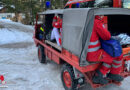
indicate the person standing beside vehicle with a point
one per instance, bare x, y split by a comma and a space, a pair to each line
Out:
110, 65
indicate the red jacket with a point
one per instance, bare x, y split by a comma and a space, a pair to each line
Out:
99, 31
57, 22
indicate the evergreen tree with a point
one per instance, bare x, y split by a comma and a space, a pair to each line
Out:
31, 7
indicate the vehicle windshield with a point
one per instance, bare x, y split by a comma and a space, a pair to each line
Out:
103, 3
97, 3
126, 3
100, 4
87, 4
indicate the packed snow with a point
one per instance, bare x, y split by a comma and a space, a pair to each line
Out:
20, 66
19, 62
7, 23
13, 36
12, 32
6, 20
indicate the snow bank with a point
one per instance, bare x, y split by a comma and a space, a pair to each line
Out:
11, 24
13, 36
5, 20
14, 32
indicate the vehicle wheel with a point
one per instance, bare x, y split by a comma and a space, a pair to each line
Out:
41, 55
68, 78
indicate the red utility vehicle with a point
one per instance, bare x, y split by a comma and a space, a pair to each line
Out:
75, 70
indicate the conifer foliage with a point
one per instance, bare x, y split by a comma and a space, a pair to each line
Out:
30, 7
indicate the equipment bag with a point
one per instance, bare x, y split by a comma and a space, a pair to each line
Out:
112, 47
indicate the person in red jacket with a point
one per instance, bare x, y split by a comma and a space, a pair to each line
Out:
57, 24
110, 64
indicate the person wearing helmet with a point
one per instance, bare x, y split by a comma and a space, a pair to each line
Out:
57, 24
110, 65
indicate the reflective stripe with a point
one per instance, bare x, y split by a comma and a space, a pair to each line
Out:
93, 49
107, 65
117, 62
94, 43
116, 66
41, 29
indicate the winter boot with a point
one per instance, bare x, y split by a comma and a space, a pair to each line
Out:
115, 77
99, 79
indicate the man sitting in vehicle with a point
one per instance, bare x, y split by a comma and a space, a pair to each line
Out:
57, 24
110, 65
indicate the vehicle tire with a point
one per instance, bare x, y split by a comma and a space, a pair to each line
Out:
68, 78
41, 55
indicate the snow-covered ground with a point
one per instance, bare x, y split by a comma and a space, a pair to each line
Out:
20, 66
19, 63
13, 36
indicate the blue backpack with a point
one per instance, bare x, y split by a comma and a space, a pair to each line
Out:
112, 47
